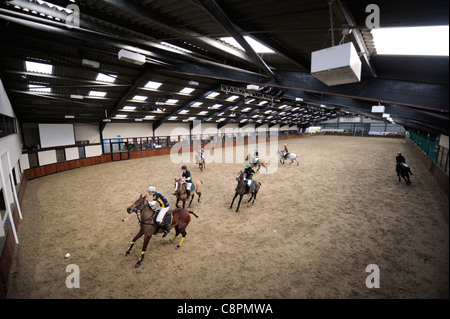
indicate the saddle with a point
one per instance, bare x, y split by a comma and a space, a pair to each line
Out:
167, 220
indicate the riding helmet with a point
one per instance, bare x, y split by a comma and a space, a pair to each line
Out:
183, 167
151, 189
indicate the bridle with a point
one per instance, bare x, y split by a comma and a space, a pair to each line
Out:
138, 211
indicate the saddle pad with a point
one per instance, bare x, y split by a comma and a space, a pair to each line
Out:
192, 187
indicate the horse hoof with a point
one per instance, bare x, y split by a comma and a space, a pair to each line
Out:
137, 264
127, 253
178, 246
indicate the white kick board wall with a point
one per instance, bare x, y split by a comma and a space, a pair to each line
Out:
52, 135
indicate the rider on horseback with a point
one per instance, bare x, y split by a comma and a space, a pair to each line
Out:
248, 175
256, 156
400, 159
286, 152
163, 207
186, 178
201, 153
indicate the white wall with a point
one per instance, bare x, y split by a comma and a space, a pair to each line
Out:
173, 129
124, 130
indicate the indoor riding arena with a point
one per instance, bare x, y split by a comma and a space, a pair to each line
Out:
316, 133
311, 233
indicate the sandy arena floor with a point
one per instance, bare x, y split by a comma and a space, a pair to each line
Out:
311, 233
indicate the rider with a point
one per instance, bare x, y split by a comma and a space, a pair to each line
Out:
286, 152
256, 156
186, 178
248, 175
163, 207
400, 159
201, 152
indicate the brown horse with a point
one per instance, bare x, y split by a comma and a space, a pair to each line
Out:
180, 191
180, 219
254, 163
241, 190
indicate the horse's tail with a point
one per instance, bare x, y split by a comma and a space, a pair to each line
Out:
191, 212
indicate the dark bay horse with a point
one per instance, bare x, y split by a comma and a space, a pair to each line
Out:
180, 191
404, 172
241, 190
180, 219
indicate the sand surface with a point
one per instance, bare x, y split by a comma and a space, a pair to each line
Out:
311, 233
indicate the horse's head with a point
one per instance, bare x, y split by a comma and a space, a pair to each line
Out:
178, 186
138, 205
239, 176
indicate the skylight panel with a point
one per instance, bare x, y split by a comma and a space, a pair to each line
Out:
106, 77
203, 113
246, 109
216, 106
263, 103
153, 85
184, 111
187, 90
149, 117
97, 93
213, 95
171, 101
173, 118
139, 97
39, 88
38, 67
129, 108
121, 116
232, 98
256, 46
412, 40
192, 118
196, 104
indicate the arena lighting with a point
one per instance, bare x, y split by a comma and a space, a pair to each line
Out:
378, 108
132, 57
91, 64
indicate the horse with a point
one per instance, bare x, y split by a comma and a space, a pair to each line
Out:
292, 156
200, 161
241, 190
404, 172
178, 218
260, 162
180, 191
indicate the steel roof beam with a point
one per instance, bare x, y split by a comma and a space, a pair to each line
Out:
217, 13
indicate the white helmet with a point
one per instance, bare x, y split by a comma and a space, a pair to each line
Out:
151, 189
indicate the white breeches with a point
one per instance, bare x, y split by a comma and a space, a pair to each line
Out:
162, 212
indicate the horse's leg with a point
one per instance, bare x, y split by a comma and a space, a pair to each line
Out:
254, 197
177, 232
235, 195
199, 195
296, 161
139, 234
144, 248
239, 203
176, 204
183, 237
192, 197
251, 197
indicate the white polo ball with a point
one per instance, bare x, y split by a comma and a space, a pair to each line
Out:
67, 255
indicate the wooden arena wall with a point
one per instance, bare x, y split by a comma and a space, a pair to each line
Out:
440, 177
8, 250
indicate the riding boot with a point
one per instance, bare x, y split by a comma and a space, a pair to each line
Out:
166, 230
188, 193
